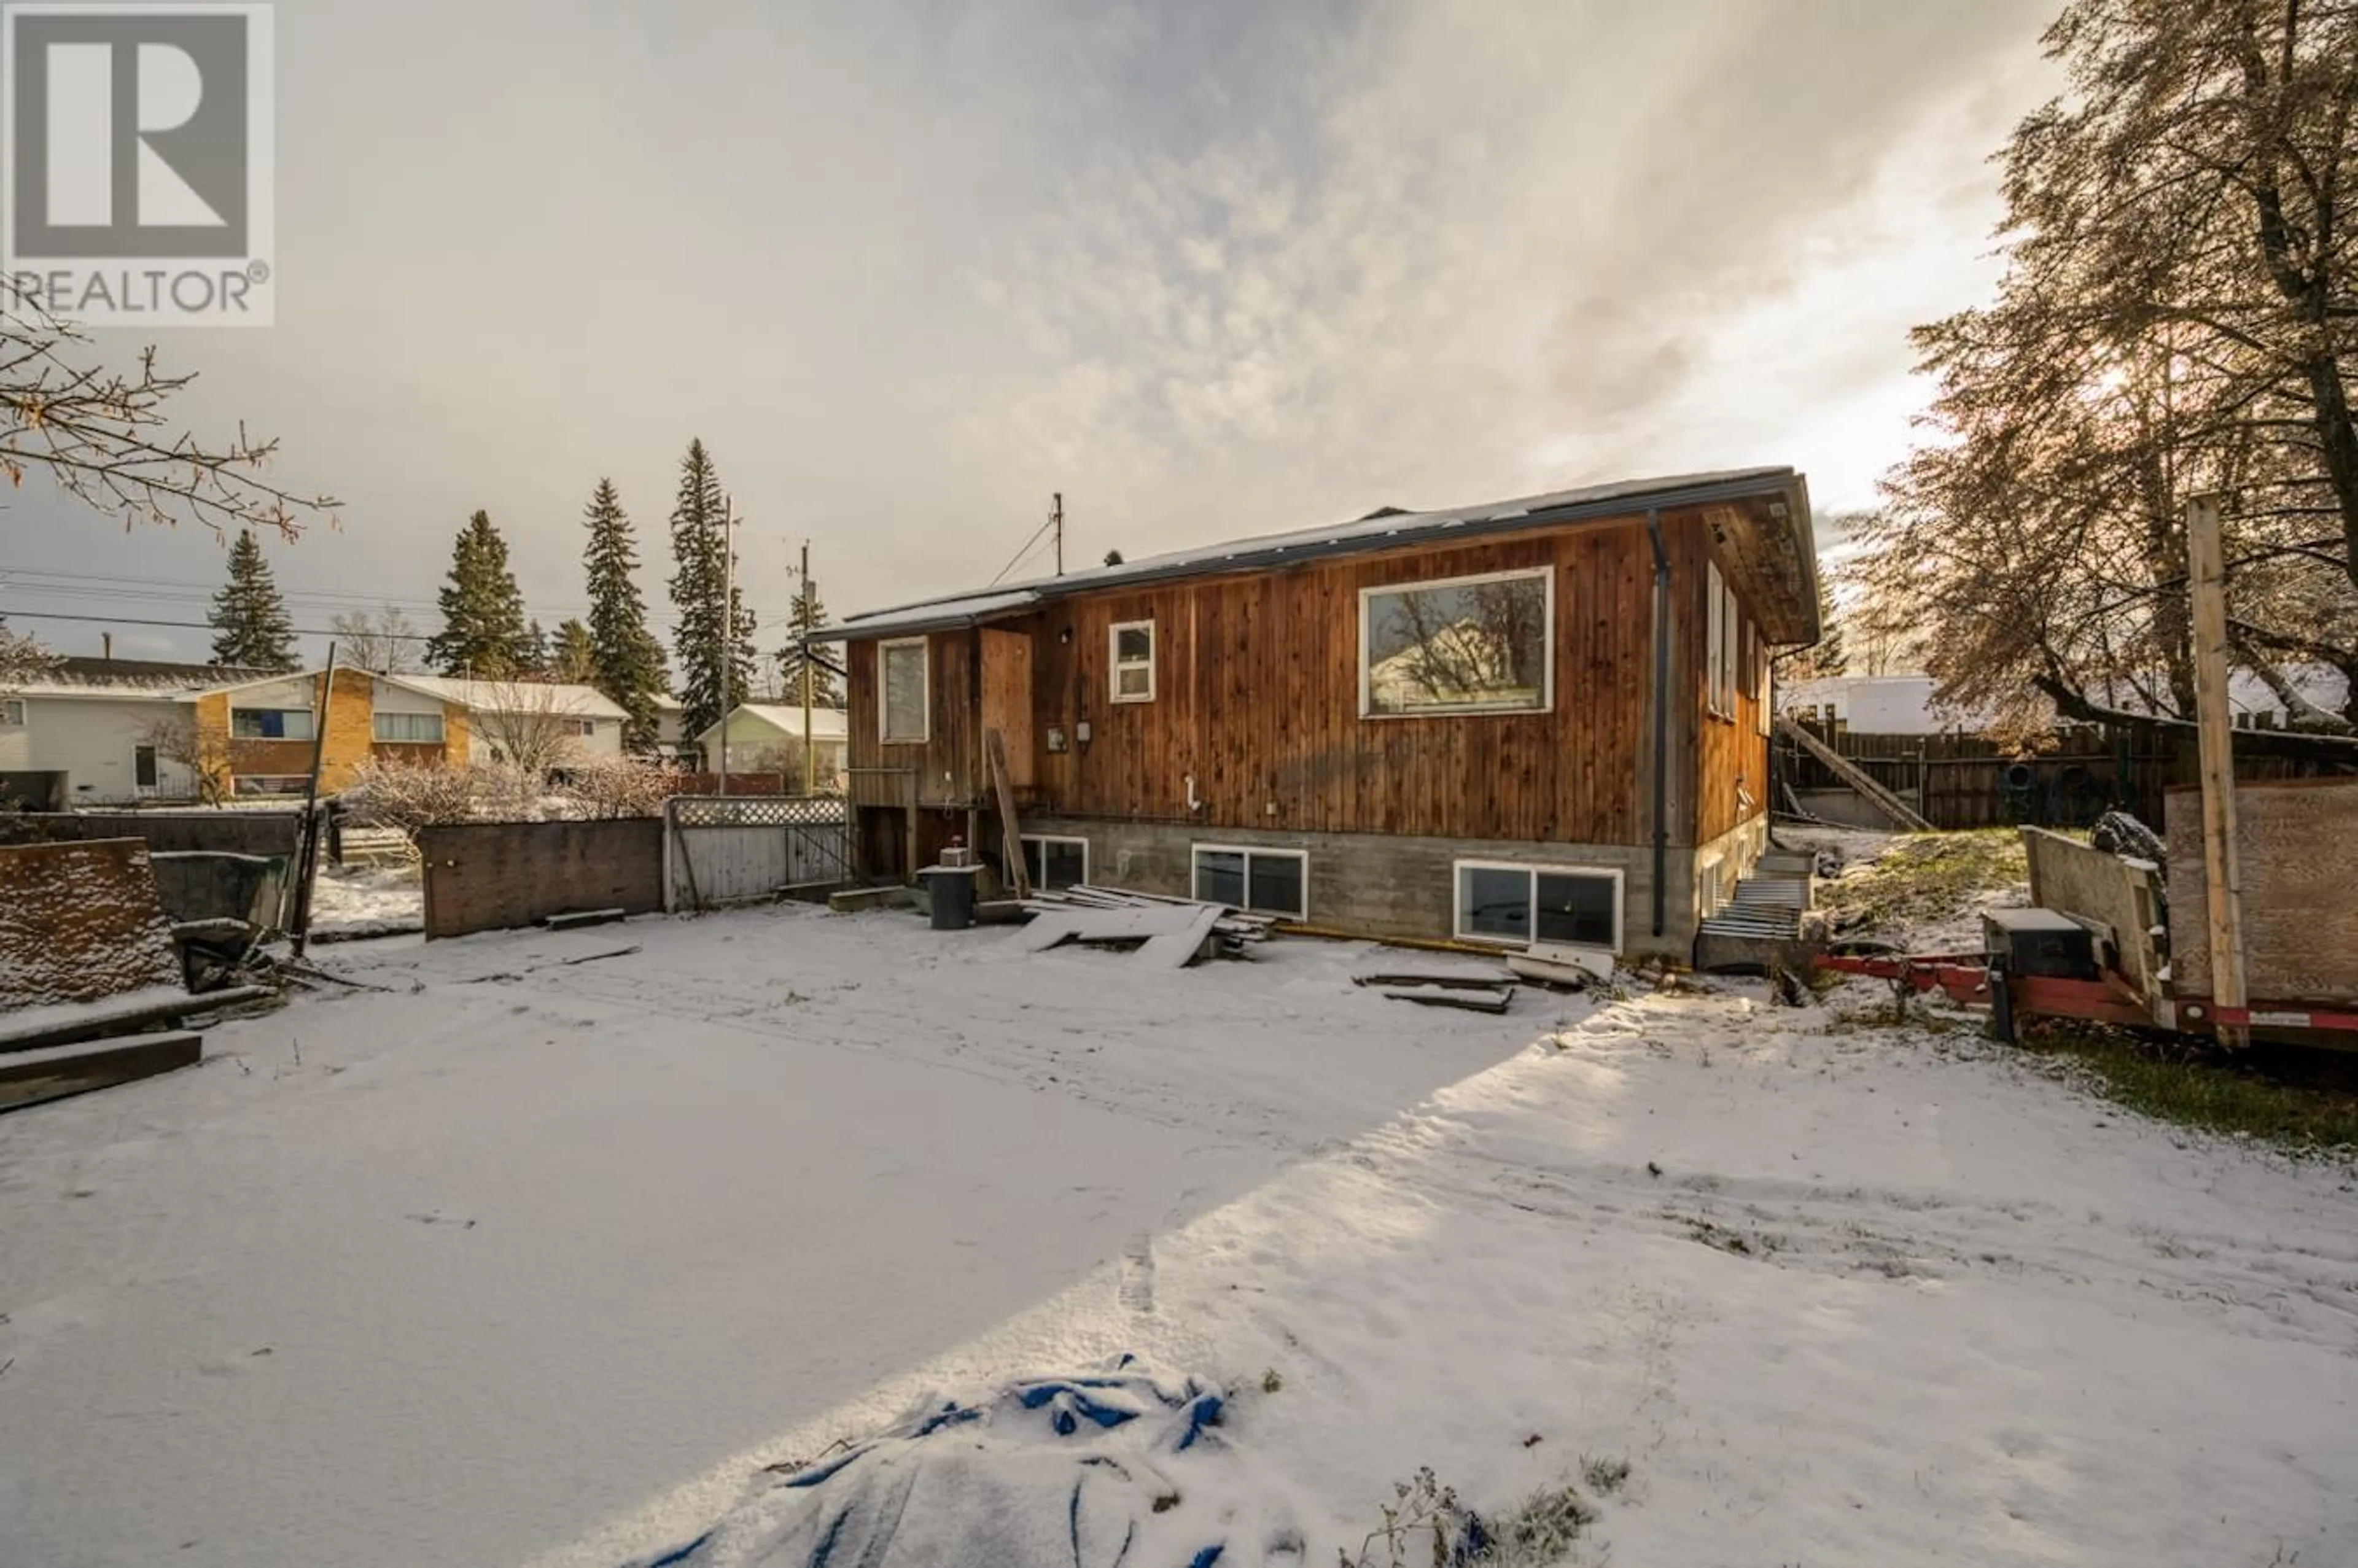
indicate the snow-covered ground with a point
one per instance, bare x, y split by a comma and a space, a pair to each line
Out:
540, 1256
350, 902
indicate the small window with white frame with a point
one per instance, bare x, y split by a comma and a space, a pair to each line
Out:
1054, 861
1468, 644
902, 703
1132, 645
1519, 906
1267, 881
11, 713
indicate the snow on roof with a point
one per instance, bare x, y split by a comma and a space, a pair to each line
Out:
826, 723
132, 677
1382, 529
513, 697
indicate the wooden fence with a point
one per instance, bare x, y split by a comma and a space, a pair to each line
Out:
490, 876
1969, 780
723, 849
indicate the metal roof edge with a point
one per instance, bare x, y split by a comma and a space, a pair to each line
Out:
1632, 504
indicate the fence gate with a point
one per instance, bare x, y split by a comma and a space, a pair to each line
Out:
736, 849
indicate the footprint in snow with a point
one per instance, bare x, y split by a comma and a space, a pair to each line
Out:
1137, 1290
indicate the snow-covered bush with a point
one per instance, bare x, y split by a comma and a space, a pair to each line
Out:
603, 788
411, 796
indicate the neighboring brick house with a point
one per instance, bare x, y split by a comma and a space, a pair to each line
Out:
109, 731
416, 719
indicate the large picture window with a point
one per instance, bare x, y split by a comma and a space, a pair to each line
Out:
1268, 882
902, 703
270, 723
1575, 905
1471, 644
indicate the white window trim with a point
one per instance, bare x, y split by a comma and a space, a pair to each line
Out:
925, 693
1115, 664
12, 712
1046, 839
1536, 868
1197, 851
1547, 666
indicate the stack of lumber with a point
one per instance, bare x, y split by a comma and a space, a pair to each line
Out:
1180, 929
1473, 992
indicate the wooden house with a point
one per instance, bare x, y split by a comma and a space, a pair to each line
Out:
1538, 720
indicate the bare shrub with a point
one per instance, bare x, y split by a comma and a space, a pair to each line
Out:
604, 788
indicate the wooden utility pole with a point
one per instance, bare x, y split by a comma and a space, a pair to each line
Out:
307, 854
1057, 516
727, 625
810, 752
2206, 564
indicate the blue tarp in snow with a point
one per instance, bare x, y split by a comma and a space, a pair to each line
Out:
1079, 1472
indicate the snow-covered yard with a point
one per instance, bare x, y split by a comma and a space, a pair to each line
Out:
539, 1256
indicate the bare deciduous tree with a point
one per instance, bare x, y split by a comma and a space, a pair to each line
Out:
22, 657
105, 437
203, 749
530, 726
2179, 315
385, 642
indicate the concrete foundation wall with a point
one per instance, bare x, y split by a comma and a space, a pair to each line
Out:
1378, 886
495, 875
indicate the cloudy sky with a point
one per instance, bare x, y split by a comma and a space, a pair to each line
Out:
1209, 270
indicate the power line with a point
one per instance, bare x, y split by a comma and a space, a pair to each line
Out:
198, 625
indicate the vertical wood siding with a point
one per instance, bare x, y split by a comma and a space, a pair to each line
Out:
1256, 701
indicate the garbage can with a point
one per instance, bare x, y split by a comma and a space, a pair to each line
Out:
950, 890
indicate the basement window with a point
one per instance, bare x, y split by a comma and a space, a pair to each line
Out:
1468, 644
1133, 643
270, 724
1052, 861
902, 706
1578, 906
1267, 882
408, 729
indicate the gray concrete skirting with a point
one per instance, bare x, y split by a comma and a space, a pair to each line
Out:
1370, 884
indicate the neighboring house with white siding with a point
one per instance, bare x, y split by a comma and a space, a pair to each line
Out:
96, 732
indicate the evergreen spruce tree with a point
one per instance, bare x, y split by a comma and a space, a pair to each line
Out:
534, 661
571, 659
806, 619
249, 614
711, 683
482, 631
626, 661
